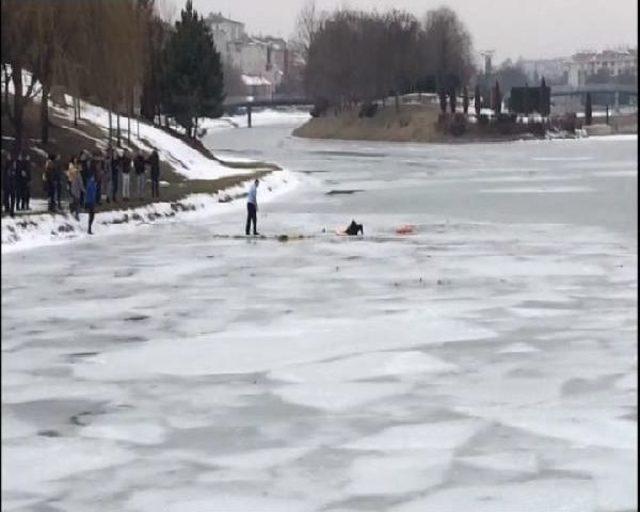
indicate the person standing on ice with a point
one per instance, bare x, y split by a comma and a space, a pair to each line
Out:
252, 208
154, 163
126, 177
90, 198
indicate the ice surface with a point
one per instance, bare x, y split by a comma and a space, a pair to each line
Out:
562, 495
488, 362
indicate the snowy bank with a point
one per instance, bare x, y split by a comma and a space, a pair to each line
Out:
29, 231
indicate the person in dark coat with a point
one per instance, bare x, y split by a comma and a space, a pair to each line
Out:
154, 164
90, 199
95, 169
354, 228
252, 208
138, 165
9, 176
116, 163
20, 175
106, 173
25, 172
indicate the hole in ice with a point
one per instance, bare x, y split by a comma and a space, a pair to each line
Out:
49, 433
345, 191
136, 318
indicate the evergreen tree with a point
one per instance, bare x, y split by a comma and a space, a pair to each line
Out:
588, 113
443, 101
193, 81
465, 100
477, 101
497, 98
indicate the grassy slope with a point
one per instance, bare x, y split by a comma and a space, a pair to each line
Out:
66, 140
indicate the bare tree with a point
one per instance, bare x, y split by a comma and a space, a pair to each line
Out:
448, 48
307, 25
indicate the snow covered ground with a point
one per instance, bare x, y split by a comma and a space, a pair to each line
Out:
486, 363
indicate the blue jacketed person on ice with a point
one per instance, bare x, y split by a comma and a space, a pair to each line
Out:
252, 208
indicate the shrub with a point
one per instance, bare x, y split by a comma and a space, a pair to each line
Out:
368, 109
320, 108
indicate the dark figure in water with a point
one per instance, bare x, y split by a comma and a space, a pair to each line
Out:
354, 229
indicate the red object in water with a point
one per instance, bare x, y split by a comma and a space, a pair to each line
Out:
407, 229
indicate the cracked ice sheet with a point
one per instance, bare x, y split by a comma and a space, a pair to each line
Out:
240, 351
566, 495
200, 300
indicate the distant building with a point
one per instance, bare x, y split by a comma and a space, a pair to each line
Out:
553, 70
262, 61
583, 64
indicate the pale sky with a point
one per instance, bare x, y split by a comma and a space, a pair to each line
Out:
514, 28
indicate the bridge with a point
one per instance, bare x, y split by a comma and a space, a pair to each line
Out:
582, 90
233, 105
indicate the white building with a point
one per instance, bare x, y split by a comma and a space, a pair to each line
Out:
583, 64
263, 62
551, 69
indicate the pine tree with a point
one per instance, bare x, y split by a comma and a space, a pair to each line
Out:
193, 81
443, 101
545, 99
465, 100
588, 113
497, 98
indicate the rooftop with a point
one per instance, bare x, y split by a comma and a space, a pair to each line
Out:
219, 18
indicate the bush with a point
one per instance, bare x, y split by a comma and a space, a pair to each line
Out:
483, 120
320, 108
368, 109
458, 125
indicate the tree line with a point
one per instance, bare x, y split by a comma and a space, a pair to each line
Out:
119, 54
356, 56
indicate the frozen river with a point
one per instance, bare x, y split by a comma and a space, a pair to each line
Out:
487, 363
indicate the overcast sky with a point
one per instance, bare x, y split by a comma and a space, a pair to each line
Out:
527, 28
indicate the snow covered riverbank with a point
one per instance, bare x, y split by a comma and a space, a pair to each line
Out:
29, 231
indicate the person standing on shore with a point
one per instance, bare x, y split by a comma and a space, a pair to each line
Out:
154, 163
116, 162
76, 188
138, 165
20, 180
126, 177
252, 208
49, 182
106, 173
26, 183
96, 170
9, 185
90, 199
57, 181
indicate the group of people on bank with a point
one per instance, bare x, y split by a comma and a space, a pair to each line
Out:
89, 179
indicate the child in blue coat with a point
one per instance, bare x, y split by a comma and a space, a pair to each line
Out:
90, 199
